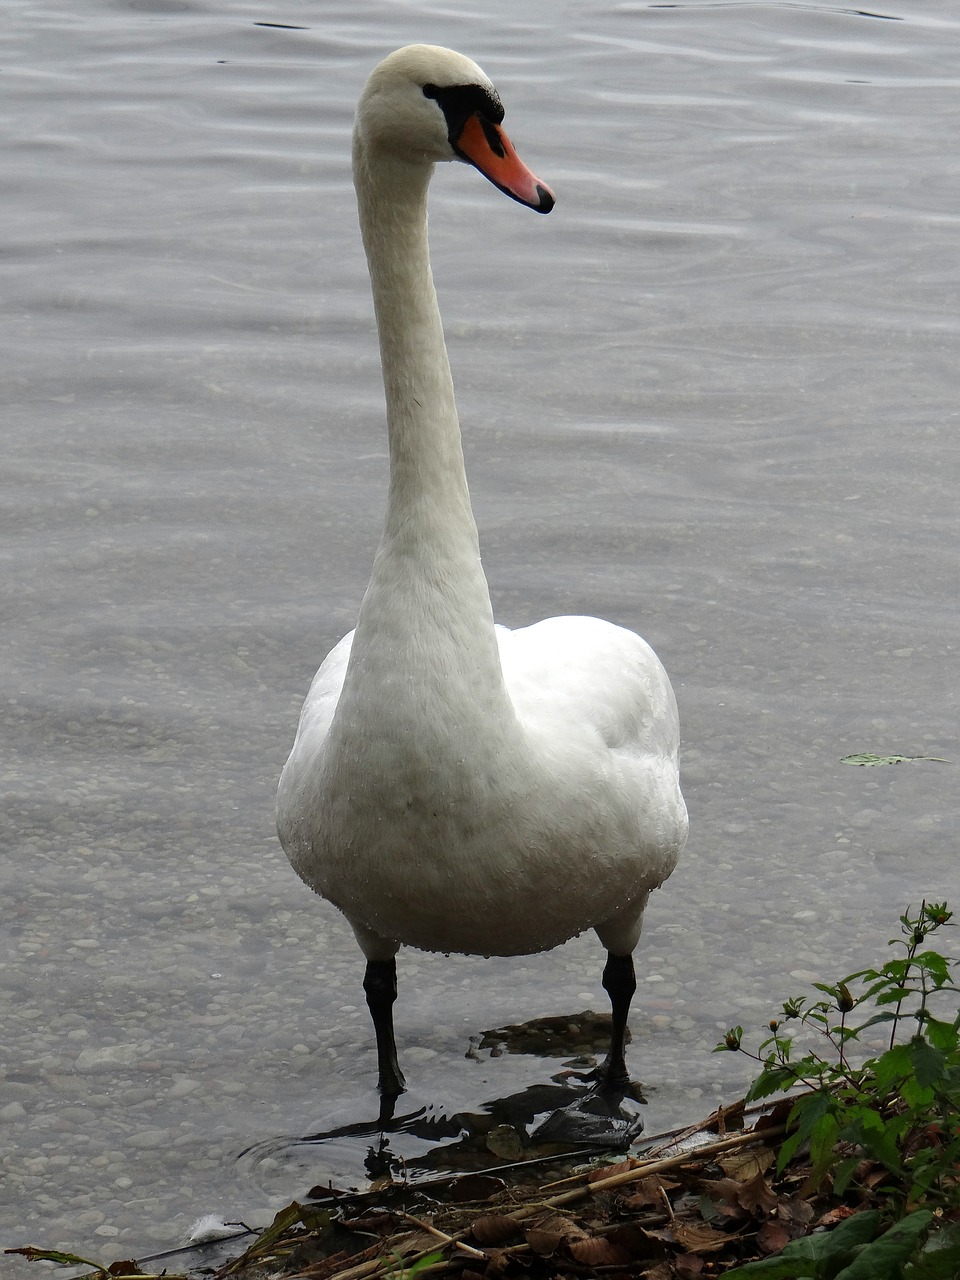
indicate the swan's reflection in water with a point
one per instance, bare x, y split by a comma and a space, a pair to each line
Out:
411, 1139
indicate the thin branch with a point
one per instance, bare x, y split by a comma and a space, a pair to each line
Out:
442, 1235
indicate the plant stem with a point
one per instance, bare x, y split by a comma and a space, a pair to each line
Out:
914, 927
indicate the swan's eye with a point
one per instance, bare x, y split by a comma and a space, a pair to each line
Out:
459, 102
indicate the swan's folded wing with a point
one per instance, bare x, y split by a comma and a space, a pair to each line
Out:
321, 700
294, 794
583, 676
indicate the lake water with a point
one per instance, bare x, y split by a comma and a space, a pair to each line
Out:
714, 397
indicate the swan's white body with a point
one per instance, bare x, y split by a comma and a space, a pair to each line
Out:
492, 803
456, 786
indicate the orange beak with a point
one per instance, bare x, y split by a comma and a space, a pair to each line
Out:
484, 145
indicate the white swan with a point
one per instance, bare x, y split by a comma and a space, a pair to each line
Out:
455, 786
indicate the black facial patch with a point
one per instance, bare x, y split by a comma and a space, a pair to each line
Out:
460, 101
493, 137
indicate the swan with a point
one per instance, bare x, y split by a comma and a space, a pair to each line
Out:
456, 786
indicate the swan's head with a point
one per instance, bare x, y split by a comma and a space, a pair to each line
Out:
425, 104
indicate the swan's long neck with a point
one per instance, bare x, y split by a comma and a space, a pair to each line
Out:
428, 593
426, 461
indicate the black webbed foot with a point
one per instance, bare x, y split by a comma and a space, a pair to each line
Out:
380, 986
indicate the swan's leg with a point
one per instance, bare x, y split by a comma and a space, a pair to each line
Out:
620, 935
380, 986
619, 982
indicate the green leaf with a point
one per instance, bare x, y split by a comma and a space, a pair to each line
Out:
778, 1268
291, 1216
883, 1257
877, 1017
878, 1138
804, 1257
808, 1109
935, 964
940, 1258
943, 1035
853, 1231
788, 1150
893, 995
823, 1139
804, 1114
53, 1255
891, 1067
935, 1266
842, 1174
403, 1272
918, 1097
928, 1062
772, 1080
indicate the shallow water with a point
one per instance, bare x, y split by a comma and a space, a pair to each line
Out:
713, 397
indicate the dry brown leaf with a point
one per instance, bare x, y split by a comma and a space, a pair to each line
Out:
504, 1142
494, 1228
745, 1165
773, 1237
499, 1264
662, 1271
647, 1193
547, 1233
722, 1188
612, 1170
725, 1194
378, 1223
689, 1265
776, 1118
473, 1186
634, 1239
795, 1214
699, 1237
833, 1216
599, 1251
757, 1196
660, 1233
543, 1242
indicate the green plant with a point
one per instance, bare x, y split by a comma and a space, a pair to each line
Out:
417, 1266
851, 1251
885, 1125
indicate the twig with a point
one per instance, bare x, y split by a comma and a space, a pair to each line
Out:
360, 1272
442, 1235
645, 1168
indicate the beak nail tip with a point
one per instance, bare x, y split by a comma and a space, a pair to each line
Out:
547, 198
